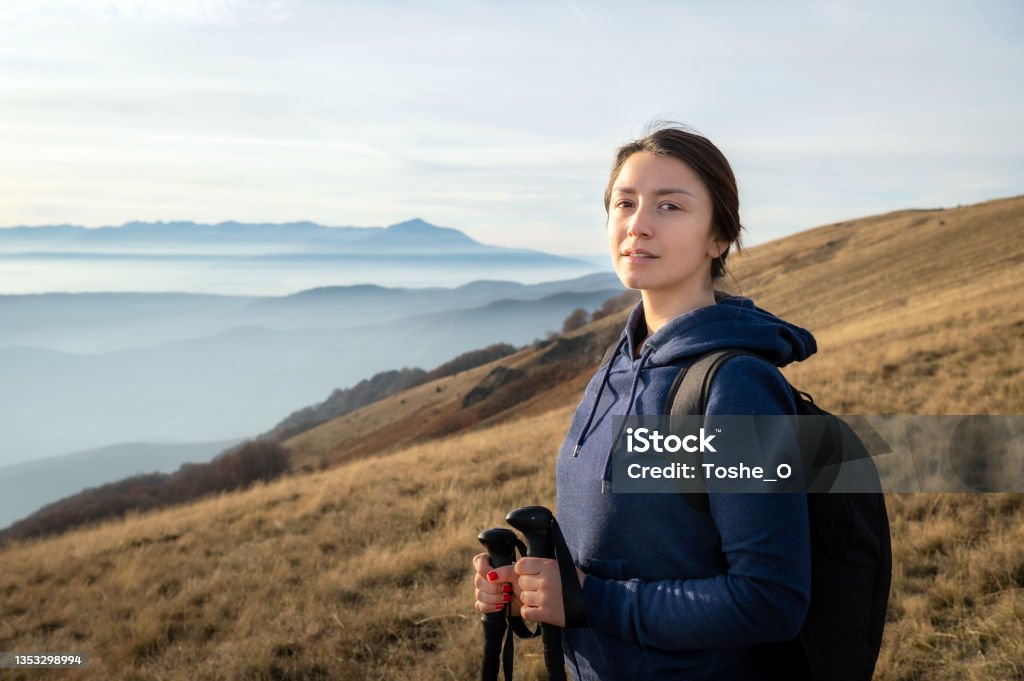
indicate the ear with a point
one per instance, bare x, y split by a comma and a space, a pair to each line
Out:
716, 247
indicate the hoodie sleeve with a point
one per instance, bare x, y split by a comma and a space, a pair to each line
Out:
764, 594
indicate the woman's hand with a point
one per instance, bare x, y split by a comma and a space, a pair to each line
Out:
494, 587
533, 586
540, 590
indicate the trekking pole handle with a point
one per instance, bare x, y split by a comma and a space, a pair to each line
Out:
535, 523
500, 543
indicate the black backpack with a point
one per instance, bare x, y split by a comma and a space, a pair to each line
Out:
851, 554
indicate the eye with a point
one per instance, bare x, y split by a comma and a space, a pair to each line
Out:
623, 203
670, 206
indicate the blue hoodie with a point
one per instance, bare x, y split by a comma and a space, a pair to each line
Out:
671, 591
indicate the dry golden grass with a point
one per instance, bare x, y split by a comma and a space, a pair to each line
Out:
362, 571
357, 572
915, 312
957, 605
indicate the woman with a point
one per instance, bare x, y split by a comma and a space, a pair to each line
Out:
672, 591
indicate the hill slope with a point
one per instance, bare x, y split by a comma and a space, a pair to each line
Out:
362, 570
917, 311
27, 486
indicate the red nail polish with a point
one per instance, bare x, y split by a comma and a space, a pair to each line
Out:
499, 606
492, 575
507, 588
506, 597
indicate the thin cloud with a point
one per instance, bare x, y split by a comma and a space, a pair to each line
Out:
150, 12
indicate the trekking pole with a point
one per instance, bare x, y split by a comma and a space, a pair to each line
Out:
501, 546
535, 523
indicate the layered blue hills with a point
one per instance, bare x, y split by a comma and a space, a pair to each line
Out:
236, 258
235, 238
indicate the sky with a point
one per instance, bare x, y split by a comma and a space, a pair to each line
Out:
499, 119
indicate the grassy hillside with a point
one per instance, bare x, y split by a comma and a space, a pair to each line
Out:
548, 375
917, 311
361, 571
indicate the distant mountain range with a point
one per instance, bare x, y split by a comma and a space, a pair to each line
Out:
262, 259
85, 371
412, 237
124, 334
106, 322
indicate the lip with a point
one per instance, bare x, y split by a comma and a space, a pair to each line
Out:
638, 256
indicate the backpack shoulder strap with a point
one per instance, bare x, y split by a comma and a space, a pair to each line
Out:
688, 396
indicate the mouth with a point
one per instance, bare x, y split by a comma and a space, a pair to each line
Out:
637, 255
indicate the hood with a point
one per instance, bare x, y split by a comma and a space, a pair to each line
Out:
735, 322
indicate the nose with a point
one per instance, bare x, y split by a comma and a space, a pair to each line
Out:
638, 225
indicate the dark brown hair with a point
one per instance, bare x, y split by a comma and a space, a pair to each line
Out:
672, 139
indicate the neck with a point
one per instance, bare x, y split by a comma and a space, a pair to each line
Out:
660, 308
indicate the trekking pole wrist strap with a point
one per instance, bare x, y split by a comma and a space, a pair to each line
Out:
518, 626
572, 592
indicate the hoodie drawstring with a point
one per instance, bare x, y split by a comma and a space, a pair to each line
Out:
606, 478
597, 400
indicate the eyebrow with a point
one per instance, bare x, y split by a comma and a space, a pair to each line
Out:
659, 192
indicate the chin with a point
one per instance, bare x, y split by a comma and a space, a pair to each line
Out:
629, 280
633, 280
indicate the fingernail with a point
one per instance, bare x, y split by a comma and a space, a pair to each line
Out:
506, 597
492, 575
499, 606
507, 588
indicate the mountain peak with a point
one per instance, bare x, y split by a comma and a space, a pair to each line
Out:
416, 224
419, 231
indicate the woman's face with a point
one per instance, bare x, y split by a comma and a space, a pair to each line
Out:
659, 227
